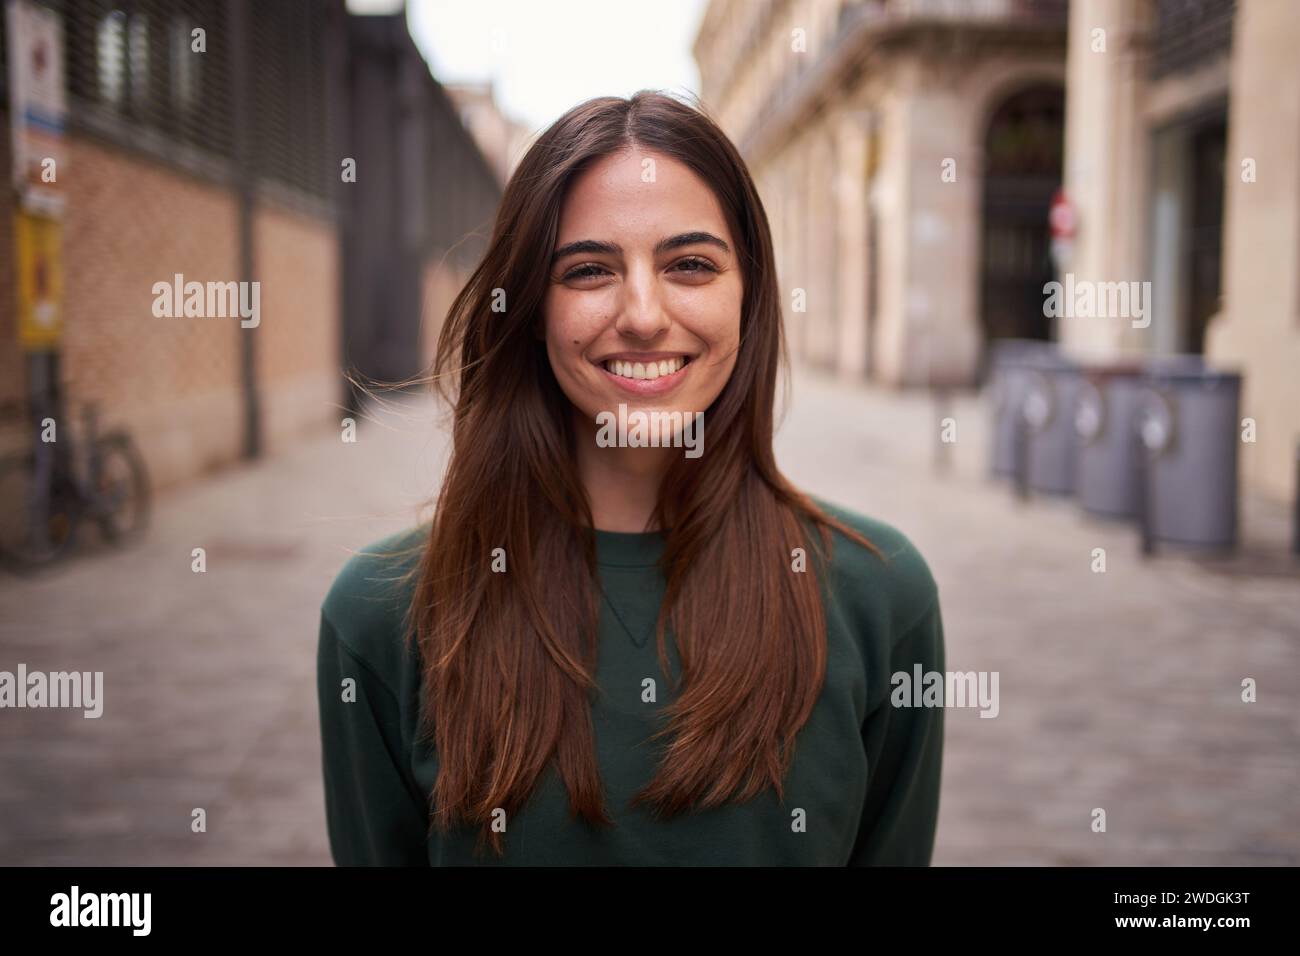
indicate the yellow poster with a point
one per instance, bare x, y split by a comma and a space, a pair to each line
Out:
40, 281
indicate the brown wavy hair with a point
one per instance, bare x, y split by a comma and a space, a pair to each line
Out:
508, 660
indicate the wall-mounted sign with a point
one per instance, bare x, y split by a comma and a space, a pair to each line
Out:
37, 102
40, 280
38, 108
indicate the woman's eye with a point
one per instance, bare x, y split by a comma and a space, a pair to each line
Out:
694, 266
588, 271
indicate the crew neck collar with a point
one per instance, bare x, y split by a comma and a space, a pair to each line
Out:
629, 549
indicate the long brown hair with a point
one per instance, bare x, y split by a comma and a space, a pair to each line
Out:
508, 660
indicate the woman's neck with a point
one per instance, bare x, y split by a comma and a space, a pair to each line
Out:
622, 483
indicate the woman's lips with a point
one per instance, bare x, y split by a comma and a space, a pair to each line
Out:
647, 386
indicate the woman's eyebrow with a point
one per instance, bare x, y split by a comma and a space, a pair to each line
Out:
593, 246
690, 239
598, 247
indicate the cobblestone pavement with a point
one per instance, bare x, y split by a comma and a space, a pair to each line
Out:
1118, 690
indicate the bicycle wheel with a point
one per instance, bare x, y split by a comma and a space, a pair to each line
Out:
121, 492
32, 535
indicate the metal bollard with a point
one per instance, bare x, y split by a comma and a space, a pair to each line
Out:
1020, 445
1141, 462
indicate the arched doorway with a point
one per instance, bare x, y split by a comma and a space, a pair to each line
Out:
1023, 149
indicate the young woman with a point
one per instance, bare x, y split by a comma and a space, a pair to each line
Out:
620, 645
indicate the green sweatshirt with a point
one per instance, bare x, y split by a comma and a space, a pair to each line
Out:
862, 789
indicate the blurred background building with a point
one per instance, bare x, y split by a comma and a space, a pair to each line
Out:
909, 152
848, 134
415, 222
501, 139
225, 158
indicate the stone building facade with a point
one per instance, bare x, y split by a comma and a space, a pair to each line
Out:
1183, 139
908, 153
867, 124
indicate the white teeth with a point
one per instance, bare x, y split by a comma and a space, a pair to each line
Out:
639, 370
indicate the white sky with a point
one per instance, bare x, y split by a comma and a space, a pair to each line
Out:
545, 56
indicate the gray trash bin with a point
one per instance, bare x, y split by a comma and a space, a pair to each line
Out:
1190, 421
1048, 406
1009, 376
1106, 477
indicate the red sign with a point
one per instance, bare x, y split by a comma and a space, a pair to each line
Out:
1063, 218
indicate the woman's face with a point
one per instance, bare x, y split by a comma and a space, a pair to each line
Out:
643, 304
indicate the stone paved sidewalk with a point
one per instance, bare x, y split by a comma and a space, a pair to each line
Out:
1118, 690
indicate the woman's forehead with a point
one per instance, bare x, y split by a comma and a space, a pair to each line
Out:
638, 193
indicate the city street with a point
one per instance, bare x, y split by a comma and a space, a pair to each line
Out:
1119, 690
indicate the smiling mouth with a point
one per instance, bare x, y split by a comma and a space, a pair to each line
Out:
646, 370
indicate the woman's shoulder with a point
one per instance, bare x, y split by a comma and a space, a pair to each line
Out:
367, 602
896, 584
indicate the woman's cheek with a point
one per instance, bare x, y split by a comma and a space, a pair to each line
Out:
574, 322
584, 317
715, 320
715, 304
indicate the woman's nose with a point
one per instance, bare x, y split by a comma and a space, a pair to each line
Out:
641, 313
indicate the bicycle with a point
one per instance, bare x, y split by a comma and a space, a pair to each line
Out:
48, 491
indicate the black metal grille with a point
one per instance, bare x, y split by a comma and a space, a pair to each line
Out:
135, 79
1188, 33
292, 118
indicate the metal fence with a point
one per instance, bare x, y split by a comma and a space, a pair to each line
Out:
139, 76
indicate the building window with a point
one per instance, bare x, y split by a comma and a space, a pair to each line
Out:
110, 57
185, 64
122, 60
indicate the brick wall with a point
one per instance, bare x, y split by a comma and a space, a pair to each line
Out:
299, 341
174, 383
